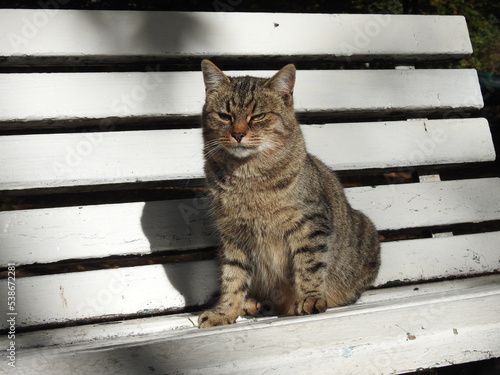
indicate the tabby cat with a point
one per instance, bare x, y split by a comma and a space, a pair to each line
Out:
290, 241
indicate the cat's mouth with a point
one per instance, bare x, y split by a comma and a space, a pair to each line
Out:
242, 151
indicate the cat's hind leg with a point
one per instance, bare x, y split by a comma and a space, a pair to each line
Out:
342, 297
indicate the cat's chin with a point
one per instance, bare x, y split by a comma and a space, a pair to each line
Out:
242, 152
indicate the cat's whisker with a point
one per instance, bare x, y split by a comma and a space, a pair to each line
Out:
214, 142
213, 151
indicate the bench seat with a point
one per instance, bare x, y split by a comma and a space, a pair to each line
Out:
388, 330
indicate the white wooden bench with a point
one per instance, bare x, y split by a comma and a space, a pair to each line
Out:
110, 102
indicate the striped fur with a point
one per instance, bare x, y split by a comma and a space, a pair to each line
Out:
290, 241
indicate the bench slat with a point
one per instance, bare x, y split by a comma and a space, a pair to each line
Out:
393, 207
83, 96
387, 338
376, 337
69, 37
352, 146
105, 293
57, 160
142, 329
50, 235
424, 259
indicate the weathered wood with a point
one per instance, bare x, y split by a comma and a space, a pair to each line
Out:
56, 160
174, 325
55, 234
97, 96
68, 37
121, 292
112, 293
440, 257
352, 146
44, 161
453, 319
430, 203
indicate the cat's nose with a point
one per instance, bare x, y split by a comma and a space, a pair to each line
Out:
238, 136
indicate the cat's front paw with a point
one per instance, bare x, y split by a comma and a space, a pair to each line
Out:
257, 309
211, 318
310, 305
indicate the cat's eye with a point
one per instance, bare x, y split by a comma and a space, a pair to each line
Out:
258, 117
224, 116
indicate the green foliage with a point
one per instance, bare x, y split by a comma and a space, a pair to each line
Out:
380, 6
484, 29
482, 18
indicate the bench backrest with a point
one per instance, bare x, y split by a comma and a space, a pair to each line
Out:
101, 109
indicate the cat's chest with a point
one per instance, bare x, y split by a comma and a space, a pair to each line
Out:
267, 209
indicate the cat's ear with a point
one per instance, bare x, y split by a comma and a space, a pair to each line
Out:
283, 82
212, 76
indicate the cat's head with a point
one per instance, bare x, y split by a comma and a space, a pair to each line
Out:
245, 116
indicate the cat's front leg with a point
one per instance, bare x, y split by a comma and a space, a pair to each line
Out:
310, 262
235, 282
